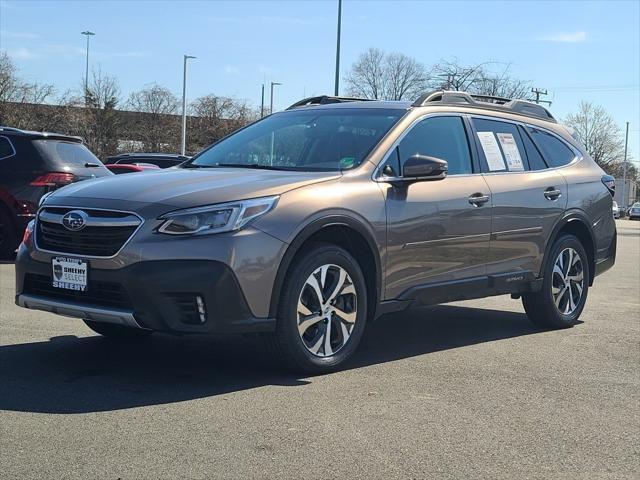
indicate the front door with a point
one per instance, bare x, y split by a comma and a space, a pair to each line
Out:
437, 231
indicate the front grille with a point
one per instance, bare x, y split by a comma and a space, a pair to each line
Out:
99, 294
102, 240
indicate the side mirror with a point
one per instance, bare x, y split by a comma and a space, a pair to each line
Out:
422, 167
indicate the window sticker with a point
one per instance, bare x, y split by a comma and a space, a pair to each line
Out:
511, 152
491, 151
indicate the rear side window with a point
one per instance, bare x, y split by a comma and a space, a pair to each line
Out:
536, 162
66, 153
555, 152
440, 137
501, 145
6, 148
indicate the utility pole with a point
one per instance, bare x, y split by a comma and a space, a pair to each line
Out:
337, 85
87, 34
183, 147
624, 169
262, 103
273, 84
537, 92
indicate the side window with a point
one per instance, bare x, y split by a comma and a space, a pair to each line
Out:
6, 149
501, 145
392, 165
536, 162
555, 152
440, 137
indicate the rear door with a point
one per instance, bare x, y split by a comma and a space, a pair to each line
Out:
437, 231
527, 196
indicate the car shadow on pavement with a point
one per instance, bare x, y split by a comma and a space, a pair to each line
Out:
91, 374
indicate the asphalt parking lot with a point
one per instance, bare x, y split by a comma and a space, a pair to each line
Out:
466, 390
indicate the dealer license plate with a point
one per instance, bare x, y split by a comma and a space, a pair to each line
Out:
70, 273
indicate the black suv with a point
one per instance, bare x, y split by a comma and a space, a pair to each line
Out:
32, 164
162, 160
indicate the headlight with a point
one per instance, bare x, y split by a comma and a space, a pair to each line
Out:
224, 217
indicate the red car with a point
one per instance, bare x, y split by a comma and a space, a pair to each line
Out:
119, 168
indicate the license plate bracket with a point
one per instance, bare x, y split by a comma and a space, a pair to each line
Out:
70, 273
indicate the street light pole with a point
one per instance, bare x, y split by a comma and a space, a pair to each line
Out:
262, 103
87, 34
271, 99
337, 85
624, 169
184, 104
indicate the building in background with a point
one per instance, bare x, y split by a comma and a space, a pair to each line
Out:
630, 192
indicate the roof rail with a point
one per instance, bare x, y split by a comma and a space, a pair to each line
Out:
10, 129
324, 100
489, 102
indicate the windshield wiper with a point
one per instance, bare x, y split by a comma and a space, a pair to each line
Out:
256, 166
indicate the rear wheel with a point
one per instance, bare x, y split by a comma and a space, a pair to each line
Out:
8, 237
565, 286
113, 330
322, 311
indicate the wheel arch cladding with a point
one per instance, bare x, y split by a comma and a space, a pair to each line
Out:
574, 224
345, 233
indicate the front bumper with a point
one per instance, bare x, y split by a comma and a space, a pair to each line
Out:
157, 294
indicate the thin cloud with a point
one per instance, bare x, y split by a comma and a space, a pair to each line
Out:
231, 70
18, 35
21, 54
565, 37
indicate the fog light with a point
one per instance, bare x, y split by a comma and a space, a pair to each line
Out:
202, 312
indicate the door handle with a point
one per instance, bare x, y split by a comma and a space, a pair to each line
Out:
478, 199
552, 193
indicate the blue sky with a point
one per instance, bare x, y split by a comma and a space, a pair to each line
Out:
576, 50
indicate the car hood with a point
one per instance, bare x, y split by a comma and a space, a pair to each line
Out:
184, 188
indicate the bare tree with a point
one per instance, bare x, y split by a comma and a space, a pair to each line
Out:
599, 133
158, 131
213, 117
480, 79
393, 76
17, 96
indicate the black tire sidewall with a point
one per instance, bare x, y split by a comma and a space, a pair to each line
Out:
8, 237
287, 323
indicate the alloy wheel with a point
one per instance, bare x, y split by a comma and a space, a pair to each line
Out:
327, 310
568, 281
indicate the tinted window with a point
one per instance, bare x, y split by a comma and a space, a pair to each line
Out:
536, 162
555, 152
313, 139
69, 153
440, 137
501, 145
6, 149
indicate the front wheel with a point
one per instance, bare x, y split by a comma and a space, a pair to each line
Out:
112, 330
322, 311
565, 286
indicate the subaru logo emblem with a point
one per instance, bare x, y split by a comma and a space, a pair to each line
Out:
75, 220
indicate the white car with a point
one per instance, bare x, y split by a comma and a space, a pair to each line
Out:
616, 210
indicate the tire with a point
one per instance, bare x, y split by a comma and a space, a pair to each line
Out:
8, 237
564, 289
112, 330
310, 352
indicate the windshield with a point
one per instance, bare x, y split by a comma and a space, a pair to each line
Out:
312, 140
68, 153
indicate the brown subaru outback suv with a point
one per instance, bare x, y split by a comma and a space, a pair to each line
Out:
309, 224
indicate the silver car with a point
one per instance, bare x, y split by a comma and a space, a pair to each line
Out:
310, 223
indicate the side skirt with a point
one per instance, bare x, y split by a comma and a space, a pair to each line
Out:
513, 283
